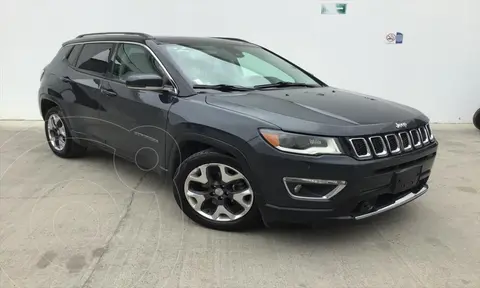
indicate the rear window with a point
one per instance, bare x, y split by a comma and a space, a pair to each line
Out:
72, 58
94, 58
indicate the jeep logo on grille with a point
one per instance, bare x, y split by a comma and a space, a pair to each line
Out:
401, 125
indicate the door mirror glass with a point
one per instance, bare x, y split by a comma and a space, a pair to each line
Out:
152, 82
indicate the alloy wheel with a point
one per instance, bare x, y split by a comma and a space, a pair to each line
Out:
57, 134
218, 192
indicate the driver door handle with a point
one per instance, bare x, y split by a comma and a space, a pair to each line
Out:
108, 92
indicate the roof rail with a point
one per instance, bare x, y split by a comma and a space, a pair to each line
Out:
116, 33
233, 39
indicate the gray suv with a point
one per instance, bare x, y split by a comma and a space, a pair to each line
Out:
246, 135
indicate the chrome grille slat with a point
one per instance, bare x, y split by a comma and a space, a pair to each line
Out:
366, 155
429, 131
417, 142
406, 145
383, 151
368, 147
423, 135
393, 149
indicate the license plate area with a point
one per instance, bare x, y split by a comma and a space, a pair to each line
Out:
406, 179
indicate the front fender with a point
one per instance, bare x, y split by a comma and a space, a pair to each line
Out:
209, 140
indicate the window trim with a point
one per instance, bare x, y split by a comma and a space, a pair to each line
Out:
170, 78
111, 61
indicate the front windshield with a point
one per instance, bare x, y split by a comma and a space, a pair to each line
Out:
235, 64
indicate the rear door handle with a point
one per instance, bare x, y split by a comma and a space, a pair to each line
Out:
67, 79
109, 93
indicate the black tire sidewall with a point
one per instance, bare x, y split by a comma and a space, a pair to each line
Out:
476, 119
249, 220
68, 141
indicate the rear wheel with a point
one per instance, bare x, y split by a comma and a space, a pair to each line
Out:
211, 189
476, 119
59, 137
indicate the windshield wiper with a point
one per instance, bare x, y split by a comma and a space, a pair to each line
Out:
223, 87
285, 84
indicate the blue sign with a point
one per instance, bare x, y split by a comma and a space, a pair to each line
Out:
399, 38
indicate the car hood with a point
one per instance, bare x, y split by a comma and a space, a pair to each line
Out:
323, 110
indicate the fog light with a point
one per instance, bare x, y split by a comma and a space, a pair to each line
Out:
312, 189
297, 189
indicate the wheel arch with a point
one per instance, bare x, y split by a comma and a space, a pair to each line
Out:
191, 143
46, 103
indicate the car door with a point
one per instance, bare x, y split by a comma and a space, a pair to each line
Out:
88, 65
139, 117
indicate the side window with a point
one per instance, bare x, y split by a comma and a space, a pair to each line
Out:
72, 58
133, 59
253, 66
94, 58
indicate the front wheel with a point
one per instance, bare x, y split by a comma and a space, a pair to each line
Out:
211, 189
476, 119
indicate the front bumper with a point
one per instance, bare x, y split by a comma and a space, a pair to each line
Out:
369, 183
395, 204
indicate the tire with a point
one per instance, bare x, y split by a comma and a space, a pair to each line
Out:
209, 158
476, 119
70, 149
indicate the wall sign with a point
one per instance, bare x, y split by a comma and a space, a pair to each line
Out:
334, 8
394, 38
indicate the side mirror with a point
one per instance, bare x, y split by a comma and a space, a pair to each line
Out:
151, 82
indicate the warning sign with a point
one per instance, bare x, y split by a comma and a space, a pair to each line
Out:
394, 38
390, 38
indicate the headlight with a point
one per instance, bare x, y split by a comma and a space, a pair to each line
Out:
301, 144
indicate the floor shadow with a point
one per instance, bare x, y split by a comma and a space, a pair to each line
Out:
322, 231
329, 232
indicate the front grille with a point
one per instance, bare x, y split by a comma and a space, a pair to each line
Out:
415, 138
405, 141
360, 148
424, 135
429, 132
391, 144
378, 146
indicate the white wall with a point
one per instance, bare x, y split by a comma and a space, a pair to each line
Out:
436, 70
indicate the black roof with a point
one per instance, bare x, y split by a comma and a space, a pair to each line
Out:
142, 37
195, 40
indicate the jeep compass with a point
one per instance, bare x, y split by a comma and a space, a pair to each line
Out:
246, 135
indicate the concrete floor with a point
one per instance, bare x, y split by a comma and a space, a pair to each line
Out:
101, 222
